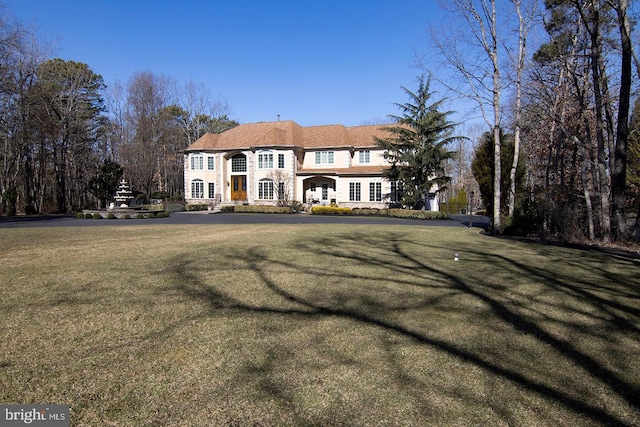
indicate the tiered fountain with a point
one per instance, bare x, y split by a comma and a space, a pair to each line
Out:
123, 194
120, 208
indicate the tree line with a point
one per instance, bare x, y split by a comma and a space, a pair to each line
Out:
559, 119
63, 132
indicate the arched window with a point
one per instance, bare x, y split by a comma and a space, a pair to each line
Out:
197, 189
265, 189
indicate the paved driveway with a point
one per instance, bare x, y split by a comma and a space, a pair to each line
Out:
236, 218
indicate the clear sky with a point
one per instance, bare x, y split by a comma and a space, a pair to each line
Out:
312, 61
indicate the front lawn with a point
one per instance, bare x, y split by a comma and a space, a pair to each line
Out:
316, 325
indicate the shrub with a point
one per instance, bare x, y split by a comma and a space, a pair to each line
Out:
126, 216
79, 215
88, 216
174, 207
111, 216
196, 207
526, 221
96, 216
139, 216
153, 208
151, 215
370, 211
227, 209
163, 214
296, 206
416, 214
261, 209
329, 210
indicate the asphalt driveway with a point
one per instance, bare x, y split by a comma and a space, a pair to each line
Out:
235, 218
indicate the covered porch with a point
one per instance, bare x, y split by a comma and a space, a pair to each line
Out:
319, 189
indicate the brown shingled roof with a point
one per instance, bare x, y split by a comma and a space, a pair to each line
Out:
288, 133
353, 170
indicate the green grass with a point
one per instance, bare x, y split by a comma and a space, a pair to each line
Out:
316, 325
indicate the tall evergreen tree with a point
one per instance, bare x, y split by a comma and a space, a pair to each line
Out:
417, 148
105, 182
483, 167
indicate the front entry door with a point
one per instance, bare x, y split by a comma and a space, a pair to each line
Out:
239, 188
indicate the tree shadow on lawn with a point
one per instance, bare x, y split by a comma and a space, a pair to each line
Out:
551, 346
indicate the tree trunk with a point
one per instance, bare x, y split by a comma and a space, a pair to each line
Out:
622, 132
522, 40
584, 175
493, 54
596, 58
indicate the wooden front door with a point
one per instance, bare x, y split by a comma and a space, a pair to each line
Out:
239, 188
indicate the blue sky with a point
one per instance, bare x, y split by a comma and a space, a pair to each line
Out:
315, 62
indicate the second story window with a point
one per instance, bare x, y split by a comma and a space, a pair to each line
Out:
211, 163
239, 163
265, 161
197, 162
324, 157
364, 157
280, 161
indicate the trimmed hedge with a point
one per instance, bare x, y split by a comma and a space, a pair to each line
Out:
175, 207
328, 210
370, 211
408, 213
261, 209
153, 208
398, 213
196, 207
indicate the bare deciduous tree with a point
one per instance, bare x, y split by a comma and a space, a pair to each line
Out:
282, 186
467, 52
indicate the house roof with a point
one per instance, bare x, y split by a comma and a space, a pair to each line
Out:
353, 170
289, 134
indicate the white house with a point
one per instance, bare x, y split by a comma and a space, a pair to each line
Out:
260, 162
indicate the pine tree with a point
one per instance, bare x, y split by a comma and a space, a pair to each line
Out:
417, 148
104, 183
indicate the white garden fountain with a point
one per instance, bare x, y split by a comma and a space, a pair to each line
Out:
123, 194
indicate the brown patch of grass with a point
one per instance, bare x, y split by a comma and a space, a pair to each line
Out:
310, 325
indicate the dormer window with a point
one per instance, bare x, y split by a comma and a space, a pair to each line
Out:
324, 157
364, 157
